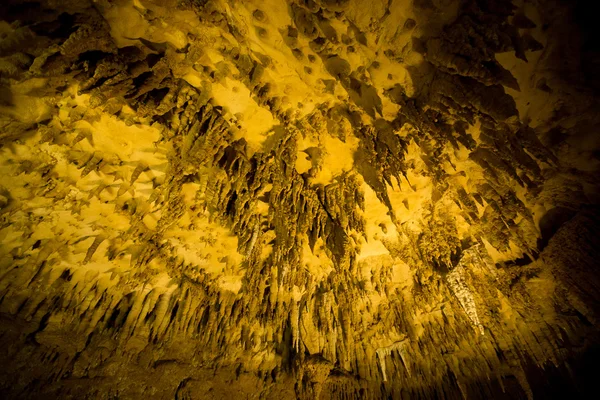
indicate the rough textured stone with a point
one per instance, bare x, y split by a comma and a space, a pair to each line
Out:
298, 199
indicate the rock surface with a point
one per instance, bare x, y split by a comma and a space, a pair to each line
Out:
298, 199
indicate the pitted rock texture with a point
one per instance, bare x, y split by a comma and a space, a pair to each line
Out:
298, 199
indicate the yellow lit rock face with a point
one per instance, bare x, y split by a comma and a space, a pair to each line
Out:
297, 199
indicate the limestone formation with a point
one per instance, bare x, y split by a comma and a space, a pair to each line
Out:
312, 199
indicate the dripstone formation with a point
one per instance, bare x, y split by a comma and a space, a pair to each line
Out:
311, 199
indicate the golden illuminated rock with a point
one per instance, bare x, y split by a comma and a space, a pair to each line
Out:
298, 199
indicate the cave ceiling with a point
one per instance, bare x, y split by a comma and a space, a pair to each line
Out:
297, 199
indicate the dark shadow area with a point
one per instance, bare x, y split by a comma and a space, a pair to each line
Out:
551, 223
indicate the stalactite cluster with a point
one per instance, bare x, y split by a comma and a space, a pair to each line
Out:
301, 198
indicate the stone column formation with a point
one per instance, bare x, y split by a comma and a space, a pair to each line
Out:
312, 199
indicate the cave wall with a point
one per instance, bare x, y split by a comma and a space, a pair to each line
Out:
310, 199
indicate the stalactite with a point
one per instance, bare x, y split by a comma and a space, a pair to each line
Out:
458, 286
383, 352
